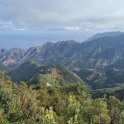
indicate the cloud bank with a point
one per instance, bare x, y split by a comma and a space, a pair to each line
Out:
62, 15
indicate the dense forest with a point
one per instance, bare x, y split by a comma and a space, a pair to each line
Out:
27, 103
63, 83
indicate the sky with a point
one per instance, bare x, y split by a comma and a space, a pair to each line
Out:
25, 23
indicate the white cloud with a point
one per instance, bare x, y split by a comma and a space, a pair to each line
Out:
5, 26
62, 14
72, 28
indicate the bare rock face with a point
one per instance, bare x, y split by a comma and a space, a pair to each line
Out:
105, 50
11, 57
8, 62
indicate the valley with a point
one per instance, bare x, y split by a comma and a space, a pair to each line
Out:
66, 82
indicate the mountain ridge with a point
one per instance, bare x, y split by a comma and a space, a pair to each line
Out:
99, 52
105, 34
52, 74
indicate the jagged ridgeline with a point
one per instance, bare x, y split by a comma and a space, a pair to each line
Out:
50, 74
43, 92
101, 51
99, 62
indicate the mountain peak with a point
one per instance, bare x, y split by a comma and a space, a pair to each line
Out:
105, 34
67, 41
2, 51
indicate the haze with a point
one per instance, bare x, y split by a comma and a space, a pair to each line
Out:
25, 23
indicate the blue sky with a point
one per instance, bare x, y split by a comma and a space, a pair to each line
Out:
38, 21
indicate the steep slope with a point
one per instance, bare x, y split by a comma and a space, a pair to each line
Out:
23, 72
73, 55
2, 51
50, 74
50, 53
95, 54
105, 78
105, 34
11, 57
2, 68
93, 78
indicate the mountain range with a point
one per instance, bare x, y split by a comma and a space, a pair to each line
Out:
94, 61
105, 34
51, 74
97, 53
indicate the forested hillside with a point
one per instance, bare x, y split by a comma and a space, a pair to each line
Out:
34, 74
61, 62
70, 104
64, 83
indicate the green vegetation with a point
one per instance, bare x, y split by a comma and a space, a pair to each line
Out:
108, 77
117, 91
23, 72
2, 68
99, 62
101, 51
44, 92
51, 74
27, 103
